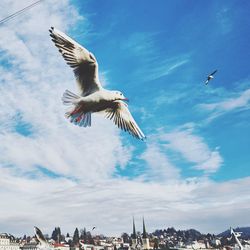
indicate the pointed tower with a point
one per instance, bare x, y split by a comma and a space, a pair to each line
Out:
133, 236
145, 240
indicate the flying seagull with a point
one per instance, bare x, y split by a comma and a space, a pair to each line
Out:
93, 98
210, 77
43, 242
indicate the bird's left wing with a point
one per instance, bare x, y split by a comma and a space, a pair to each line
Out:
121, 116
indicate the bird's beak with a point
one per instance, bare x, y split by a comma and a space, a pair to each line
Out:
126, 99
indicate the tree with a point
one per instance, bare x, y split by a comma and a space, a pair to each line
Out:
83, 235
76, 237
90, 239
56, 235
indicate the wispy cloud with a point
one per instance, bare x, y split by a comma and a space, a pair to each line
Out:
140, 44
224, 19
161, 67
240, 101
160, 167
193, 148
155, 64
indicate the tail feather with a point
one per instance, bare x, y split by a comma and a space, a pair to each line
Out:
85, 120
70, 98
81, 119
75, 115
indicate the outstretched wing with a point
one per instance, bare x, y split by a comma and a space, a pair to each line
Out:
41, 238
121, 116
82, 61
213, 72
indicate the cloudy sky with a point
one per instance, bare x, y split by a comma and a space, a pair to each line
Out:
193, 169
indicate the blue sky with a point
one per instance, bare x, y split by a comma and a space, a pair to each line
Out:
138, 43
195, 160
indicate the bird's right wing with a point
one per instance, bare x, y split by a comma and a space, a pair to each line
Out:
80, 59
41, 238
121, 116
213, 72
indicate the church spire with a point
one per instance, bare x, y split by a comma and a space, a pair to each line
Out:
144, 234
134, 232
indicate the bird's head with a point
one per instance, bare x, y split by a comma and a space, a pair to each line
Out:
119, 96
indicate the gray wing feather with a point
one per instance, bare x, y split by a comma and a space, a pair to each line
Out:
121, 116
82, 61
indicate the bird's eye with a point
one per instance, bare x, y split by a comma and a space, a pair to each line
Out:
120, 93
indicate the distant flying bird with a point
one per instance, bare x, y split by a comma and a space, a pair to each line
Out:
210, 77
93, 98
93, 228
43, 242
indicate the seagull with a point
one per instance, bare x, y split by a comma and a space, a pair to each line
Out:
210, 77
93, 98
44, 245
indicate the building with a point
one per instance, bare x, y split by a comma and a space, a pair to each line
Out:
61, 246
7, 242
31, 245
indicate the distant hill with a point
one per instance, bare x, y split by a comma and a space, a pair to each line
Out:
185, 234
245, 232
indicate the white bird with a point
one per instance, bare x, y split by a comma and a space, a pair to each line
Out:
43, 244
210, 77
93, 97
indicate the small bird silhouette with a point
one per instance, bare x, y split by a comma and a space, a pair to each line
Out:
210, 77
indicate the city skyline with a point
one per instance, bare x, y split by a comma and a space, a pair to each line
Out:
193, 169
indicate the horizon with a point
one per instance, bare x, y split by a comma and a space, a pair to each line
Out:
129, 233
193, 169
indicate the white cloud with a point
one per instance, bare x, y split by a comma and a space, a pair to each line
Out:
82, 191
33, 86
160, 168
110, 204
33, 78
231, 103
239, 102
193, 148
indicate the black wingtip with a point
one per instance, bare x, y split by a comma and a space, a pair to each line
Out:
51, 29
